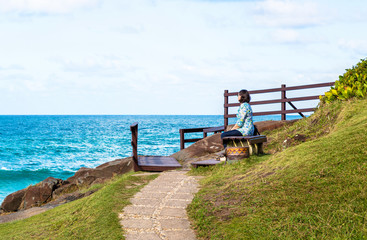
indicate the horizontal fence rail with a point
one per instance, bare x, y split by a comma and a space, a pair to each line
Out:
188, 130
283, 100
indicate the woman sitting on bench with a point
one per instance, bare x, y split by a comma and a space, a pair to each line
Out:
244, 125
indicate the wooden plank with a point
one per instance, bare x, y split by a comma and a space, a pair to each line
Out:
276, 101
192, 140
259, 138
134, 144
283, 105
182, 139
276, 112
328, 84
192, 130
318, 85
213, 129
156, 168
210, 162
225, 108
157, 163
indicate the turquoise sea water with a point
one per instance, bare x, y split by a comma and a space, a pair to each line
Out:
33, 148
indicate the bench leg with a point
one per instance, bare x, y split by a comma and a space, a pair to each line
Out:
251, 148
260, 149
256, 150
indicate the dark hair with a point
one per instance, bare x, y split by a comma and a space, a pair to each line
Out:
245, 96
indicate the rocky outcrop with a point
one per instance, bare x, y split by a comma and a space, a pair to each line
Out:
52, 189
271, 125
88, 176
32, 196
13, 201
41, 193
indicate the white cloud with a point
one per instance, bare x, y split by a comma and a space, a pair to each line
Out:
286, 13
11, 67
44, 6
97, 65
357, 46
286, 36
35, 86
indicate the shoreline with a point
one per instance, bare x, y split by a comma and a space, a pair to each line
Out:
201, 150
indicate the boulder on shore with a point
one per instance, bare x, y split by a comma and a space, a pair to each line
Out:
41, 193
13, 201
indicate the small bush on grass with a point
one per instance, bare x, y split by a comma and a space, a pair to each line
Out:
353, 83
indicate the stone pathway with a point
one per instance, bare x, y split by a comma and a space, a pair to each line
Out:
158, 211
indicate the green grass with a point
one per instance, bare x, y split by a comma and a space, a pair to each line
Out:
314, 190
92, 217
322, 122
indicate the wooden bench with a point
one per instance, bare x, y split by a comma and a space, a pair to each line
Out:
149, 163
255, 143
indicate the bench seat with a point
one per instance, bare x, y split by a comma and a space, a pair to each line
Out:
255, 143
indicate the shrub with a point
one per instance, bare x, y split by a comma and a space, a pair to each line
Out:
353, 83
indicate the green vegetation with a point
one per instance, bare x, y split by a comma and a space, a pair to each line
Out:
92, 217
313, 190
353, 83
317, 125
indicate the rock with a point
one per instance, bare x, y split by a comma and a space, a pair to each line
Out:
13, 201
300, 137
52, 188
287, 143
206, 146
41, 193
86, 176
67, 188
65, 198
272, 125
293, 141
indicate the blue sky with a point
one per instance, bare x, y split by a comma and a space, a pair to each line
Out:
168, 57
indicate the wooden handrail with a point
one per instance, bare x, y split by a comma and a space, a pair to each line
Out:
276, 112
328, 84
275, 101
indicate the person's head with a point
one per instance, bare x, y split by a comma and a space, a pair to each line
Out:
244, 96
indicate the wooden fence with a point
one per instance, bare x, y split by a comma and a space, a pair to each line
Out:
283, 112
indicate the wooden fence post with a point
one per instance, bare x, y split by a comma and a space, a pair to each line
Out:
182, 139
134, 144
283, 104
225, 109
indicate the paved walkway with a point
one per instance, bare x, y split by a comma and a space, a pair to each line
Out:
158, 211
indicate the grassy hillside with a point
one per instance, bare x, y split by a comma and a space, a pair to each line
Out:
92, 217
314, 190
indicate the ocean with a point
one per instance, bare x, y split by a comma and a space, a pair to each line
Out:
35, 147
